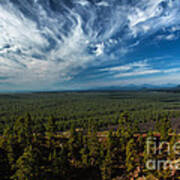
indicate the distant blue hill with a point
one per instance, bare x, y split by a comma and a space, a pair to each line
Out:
133, 87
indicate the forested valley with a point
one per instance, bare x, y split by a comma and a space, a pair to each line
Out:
89, 135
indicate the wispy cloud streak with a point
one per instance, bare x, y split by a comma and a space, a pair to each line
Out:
44, 42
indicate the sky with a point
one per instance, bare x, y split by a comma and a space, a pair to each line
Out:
83, 44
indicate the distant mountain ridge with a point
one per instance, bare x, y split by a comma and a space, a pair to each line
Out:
132, 87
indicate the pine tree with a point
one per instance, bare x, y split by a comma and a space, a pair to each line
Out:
60, 166
8, 142
131, 156
94, 147
19, 130
109, 164
85, 153
107, 168
123, 134
23, 130
51, 130
51, 127
27, 165
75, 145
169, 155
163, 125
28, 123
150, 154
140, 149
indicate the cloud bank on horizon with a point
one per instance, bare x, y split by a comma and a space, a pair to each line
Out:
77, 44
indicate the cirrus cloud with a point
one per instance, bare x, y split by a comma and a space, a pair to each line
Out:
45, 42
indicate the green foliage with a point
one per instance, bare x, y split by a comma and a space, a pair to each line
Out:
94, 148
102, 134
23, 129
26, 165
103, 108
131, 156
163, 125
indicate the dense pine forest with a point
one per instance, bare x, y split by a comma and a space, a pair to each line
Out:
81, 108
89, 135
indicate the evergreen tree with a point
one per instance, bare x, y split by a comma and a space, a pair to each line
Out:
94, 147
163, 125
110, 162
28, 123
8, 142
51, 131
23, 130
85, 153
107, 168
150, 154
131, 156
27, 165
74, 145
60, 165
51, 128
123, 134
